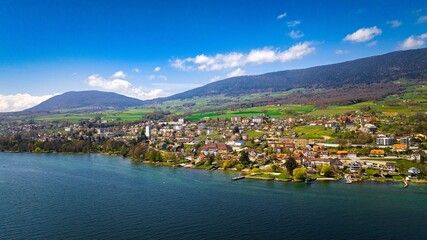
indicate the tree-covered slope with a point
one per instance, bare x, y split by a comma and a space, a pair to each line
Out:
410, 64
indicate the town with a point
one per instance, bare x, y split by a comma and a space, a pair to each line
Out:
293, 148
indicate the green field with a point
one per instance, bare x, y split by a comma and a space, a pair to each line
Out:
129, 115
338, 110
313, 132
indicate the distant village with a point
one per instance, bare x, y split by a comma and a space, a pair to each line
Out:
256, 145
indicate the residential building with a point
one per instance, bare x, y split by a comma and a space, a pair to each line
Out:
385, 141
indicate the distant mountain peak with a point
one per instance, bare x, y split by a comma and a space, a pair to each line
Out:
89, 101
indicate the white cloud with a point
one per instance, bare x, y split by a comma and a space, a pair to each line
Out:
296, 34
264, 55
422, 19
340, 52
115, 85
154, 77
157, 69
123, 87
181, 64
394, 23
119, 74
363, 34
20, 101
293, 23
282, 15
236, 73
135, 70
215, 78
414, 41
235, 59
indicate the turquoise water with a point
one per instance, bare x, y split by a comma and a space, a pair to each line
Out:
52, 196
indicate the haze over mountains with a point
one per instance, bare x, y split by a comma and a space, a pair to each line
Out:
369, 72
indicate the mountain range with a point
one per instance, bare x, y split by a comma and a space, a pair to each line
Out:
410, 64
367, 72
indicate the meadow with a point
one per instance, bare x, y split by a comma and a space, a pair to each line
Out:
409, 102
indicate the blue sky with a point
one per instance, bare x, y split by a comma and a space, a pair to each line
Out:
148, 49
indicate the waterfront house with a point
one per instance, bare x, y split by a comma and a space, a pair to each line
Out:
355, 167
413, 171
214, 148
333, 162
390, 167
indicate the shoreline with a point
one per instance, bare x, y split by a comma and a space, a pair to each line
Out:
287, 180
247, 176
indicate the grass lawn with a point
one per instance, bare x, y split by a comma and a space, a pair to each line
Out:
371, 171
284, 176
255, 133
127, 116
313, 132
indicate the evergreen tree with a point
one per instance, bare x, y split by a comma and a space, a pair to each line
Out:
290, 165
236, 130
244, 158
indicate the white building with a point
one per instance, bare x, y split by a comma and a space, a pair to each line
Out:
385, 141
148, 131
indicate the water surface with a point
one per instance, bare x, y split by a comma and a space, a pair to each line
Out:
55, 196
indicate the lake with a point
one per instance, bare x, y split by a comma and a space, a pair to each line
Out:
56, 196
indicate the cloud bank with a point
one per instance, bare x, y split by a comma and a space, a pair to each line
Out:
123, 87
217, 62
20, 101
